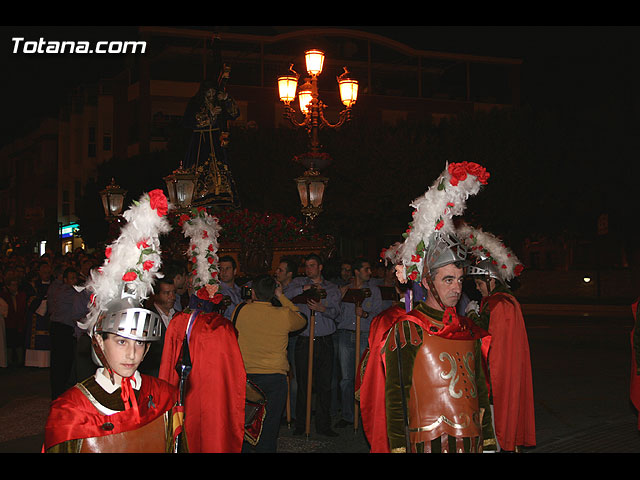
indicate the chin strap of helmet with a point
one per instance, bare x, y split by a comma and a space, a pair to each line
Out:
433, 291
101, 356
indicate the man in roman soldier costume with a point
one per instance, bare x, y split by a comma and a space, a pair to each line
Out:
118, 409
422, 387
202, 354
506, 350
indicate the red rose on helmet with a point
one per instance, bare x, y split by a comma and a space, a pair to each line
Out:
129, 276
147, 265
458, 173
158, 202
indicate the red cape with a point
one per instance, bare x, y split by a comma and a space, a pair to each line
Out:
507, 351
72, 415
635, 378
372, 395
216, 386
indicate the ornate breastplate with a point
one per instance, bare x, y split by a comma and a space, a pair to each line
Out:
151, 438
444, 398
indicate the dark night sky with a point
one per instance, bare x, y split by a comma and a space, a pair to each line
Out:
564, 67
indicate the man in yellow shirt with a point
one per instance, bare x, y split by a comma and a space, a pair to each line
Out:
263, 336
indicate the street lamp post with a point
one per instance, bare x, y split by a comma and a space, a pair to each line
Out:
113, 200
181, 185
311, 185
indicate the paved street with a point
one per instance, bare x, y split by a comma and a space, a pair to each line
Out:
581, 368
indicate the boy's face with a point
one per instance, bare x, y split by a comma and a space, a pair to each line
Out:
123, 354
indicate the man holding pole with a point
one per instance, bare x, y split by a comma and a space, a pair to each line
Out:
319, 300
361, 302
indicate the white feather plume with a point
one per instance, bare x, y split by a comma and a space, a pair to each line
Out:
134, 258
434, 211
203, 231
484, 245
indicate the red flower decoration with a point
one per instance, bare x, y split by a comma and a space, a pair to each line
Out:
458, 173
142, 244
518, 270
210, 260
107, 252
413, 275
147, 265
129, 276
416, 258
440, 224
158, 202
203, 294
217, 298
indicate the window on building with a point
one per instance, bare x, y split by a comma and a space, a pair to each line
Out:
106, 142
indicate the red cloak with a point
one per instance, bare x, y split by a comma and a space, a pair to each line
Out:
635, 378
216, 386
506, 350
72, 415
372, 388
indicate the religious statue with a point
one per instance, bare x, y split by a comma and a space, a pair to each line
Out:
208, 114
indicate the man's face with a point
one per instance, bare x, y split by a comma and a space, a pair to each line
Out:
45, 272
312, 268
71, 278
346, 272
12, 286
282, 275
179, 281
166, 295
123, 354
364, 273
448, 283
227, 272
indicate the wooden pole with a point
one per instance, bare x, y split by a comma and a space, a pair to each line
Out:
312, 323
355, 402
289, 398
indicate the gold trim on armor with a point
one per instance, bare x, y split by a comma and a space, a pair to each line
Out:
442, 419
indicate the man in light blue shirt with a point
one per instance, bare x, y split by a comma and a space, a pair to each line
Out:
346, 331
326, 312
227, 270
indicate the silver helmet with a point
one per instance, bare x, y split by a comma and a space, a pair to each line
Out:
444, 249
125, 317
492, 258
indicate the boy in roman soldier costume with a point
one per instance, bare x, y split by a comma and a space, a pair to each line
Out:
118, 409
506, 350
422, 387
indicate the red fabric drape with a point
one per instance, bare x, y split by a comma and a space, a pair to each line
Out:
215, 391
506, 351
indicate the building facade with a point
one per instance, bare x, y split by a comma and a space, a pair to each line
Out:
131, 113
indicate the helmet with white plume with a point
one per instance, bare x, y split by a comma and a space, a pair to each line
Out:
492, 258
120, 286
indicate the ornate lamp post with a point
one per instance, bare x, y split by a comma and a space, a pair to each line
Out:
181, 185
113, 200
311, 185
